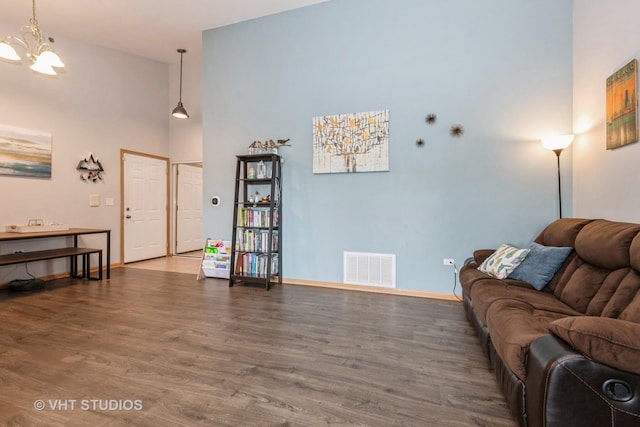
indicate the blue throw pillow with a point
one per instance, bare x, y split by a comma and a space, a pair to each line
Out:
540, 265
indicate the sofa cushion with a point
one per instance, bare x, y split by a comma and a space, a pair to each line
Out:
606, 244
486, 292
540, 265
610, 341
514, 325
469, 276
615, 294
582, 286
632, 311
503, 261
562, 232
489, 291
560, 279
634, 253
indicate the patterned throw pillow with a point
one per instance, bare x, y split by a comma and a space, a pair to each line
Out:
503, 261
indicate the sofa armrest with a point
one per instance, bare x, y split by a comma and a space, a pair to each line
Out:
564, 387
613, 342
481, 254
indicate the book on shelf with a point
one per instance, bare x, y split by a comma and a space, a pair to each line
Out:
255, 240
256, 217
255, 265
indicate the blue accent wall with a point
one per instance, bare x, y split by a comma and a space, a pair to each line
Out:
501, 68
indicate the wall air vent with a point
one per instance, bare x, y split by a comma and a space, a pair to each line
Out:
369, 269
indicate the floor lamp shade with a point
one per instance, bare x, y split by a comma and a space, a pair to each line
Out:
557, 143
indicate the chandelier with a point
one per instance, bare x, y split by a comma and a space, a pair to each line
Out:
40, 53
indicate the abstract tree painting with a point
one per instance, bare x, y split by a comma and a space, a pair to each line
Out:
355, 142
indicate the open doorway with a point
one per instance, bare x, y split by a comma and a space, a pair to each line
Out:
186, 214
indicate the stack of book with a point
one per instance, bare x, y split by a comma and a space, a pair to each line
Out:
256, 217
255, 265
255, 240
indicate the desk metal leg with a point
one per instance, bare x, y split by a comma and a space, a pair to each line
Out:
100, 265
74, 267
108, 255
73, 260
87, 275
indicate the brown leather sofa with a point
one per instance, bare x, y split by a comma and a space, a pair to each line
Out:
568, 355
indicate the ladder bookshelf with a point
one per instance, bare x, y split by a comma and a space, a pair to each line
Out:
256, 244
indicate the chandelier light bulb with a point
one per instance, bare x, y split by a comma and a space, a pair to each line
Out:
43, 67
51, 58
8, 52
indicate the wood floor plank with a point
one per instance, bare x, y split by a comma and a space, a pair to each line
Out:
201, 353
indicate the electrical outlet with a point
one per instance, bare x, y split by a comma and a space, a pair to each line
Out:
448, 261
18, 251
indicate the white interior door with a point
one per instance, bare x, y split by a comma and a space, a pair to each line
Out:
145, 207
189, 208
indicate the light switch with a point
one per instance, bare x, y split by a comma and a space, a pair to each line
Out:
109, 201
94, 200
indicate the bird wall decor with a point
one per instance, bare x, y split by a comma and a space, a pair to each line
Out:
90, 169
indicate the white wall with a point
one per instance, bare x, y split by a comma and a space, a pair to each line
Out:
606, 37
104, 101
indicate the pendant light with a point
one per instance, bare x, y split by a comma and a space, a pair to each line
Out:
179, 112
40, 53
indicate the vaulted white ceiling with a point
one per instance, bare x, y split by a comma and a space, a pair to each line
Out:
150, 28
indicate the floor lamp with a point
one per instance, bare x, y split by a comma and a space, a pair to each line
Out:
556, 144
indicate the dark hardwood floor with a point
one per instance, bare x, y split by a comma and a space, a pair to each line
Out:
159, 348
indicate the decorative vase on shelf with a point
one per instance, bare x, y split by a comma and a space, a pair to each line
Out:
262, 170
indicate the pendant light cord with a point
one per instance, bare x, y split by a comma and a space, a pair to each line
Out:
181, 53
